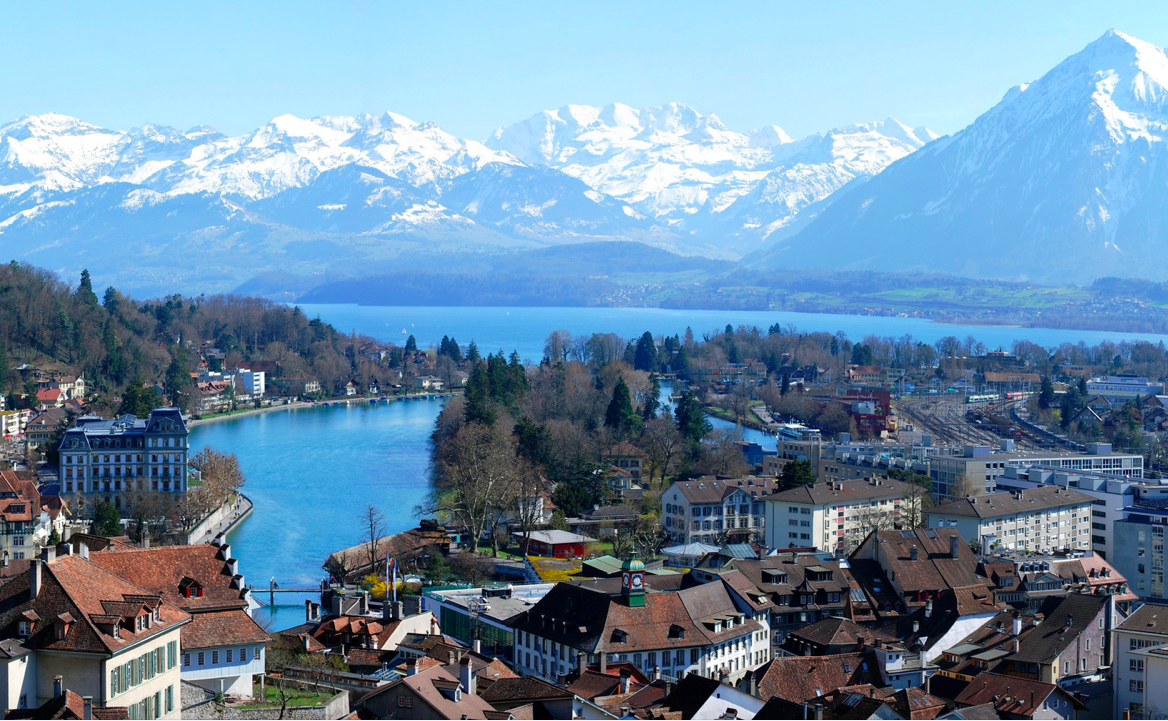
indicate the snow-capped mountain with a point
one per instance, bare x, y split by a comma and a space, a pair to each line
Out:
297, 190
677, 165
1063, 180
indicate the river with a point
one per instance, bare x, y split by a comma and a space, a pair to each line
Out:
525, 329
310, 473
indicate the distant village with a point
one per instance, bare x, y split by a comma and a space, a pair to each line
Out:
976, 538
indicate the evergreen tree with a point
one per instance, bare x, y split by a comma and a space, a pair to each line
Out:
620, 416
106, 520
1083, 386
653, 400
411, 343
455, 352
178, 380
729, 329
775, 329
478, 398
645, 358
1046, 394
834, 348
85, 290
472, 352
4, 372
796, 474
533, 442
786, 386
691, 420
110, 300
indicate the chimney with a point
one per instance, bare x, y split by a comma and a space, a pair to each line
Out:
928, 607
656, 674
953, 541
1017, 623
753, 683
450, 658
818, 712
580, 663
912, 552
87, 711
1017, 644
916, 626
84, 550
58, 686
603, 660
5, 562
34, 581
477, 646
411, 666
399, 612
308, 610
625, 679
466, 676
146, 537
48, 553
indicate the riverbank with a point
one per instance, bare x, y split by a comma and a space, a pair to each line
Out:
222, 521
314, 404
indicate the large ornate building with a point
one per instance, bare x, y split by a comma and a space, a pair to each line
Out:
112, 457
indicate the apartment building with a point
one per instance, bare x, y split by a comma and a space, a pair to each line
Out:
108, 639
974, 471
1123, 387
1146, 628
111, 457
1036, 519
834, 516
714, 510
1141, 536
708, 629
1110, 495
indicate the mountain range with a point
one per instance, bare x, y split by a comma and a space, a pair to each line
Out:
1063, 180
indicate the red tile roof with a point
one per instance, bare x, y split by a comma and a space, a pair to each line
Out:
802, 678
163, 568
222, 628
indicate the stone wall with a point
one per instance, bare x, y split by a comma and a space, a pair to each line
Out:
198, 703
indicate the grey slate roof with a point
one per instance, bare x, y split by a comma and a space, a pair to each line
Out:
1008, 503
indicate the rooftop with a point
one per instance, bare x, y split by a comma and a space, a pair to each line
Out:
1008, 503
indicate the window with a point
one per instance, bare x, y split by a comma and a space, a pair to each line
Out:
1135, 685
202, 658
1136, 664
186, 660
214, 657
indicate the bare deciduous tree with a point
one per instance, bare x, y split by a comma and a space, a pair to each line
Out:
373, 526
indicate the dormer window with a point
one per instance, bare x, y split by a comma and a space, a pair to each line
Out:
190, 588
676, 631
24, 629
619, 636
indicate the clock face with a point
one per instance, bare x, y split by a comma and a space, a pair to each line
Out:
637, 581
625, 580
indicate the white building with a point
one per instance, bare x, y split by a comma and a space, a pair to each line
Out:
716, 627
1145, 629
834, 516
1123, 388
713, 510
1036, 519
973, 472
112, 457
1110, 495
251, 382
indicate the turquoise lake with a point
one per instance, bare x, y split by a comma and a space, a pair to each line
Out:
311, 472
525, 329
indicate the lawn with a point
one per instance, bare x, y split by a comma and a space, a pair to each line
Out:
297, 697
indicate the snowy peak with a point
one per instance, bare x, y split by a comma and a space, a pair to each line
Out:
1060, 181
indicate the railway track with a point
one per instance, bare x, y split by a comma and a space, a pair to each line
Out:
945, 420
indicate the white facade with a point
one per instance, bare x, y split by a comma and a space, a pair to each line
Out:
709, 521
1123, 388
1042, 529
20, 680
1154, 686
833, 524
253, 382
536, 656
1129, 672
224, 669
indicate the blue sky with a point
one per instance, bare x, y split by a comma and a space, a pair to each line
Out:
473, 66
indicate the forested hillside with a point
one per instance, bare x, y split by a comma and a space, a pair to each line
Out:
47, 326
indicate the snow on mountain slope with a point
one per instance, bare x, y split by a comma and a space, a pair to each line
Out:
674, 164
667, 161
1063, 180
54, 152
811, 170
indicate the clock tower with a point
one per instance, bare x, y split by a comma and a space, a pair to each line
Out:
633, 581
